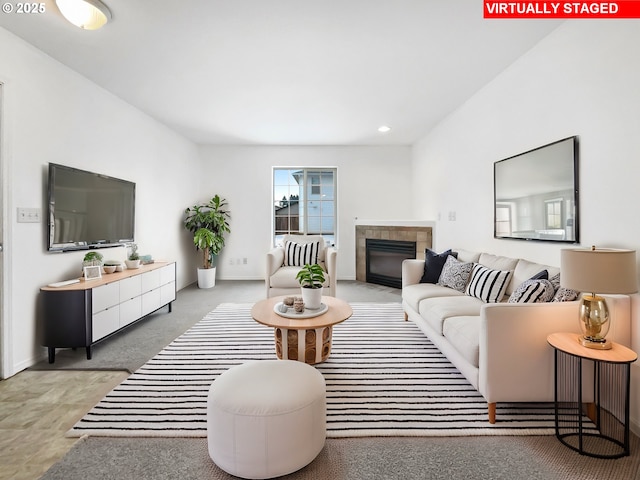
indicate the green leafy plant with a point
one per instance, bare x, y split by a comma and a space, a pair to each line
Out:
133, 255
311, 276
94, 258
209, 223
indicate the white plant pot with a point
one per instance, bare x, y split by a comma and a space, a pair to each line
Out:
312, 297
206, 277
132, 263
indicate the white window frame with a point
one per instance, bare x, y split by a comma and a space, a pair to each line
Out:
332, 238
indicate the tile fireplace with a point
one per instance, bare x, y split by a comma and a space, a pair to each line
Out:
403, 241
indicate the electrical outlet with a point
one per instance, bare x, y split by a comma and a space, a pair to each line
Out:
231, 261
29, 215
244, 261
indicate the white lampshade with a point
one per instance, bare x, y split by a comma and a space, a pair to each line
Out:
86, 14
599, 270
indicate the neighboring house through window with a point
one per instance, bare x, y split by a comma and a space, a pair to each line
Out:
304, 201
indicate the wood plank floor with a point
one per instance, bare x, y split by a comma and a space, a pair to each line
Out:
37, 408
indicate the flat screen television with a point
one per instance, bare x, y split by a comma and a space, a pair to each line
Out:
536, 194
88, 210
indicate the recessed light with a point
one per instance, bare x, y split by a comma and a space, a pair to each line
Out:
384, 129
86, 14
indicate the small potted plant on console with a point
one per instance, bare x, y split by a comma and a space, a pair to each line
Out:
311, 278
133, 260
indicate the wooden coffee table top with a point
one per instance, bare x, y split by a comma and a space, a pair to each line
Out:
339, 310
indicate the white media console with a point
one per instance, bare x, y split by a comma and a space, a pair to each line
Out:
83, 313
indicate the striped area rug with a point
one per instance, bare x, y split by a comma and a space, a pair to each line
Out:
384, 378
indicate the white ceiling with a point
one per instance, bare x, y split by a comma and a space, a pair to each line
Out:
289, 72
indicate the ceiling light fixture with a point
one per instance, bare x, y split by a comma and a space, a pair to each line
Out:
86, 14
384, 129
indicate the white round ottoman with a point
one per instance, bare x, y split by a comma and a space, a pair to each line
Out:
266, 418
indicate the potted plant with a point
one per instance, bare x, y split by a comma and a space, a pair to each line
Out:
208, 223
92, 259
133, 260
311, 278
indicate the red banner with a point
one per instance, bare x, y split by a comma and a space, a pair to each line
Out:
561, 9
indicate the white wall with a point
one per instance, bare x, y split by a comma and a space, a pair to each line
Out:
373, 183
52, 114
581, 80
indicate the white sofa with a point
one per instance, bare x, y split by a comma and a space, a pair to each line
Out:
281, 279
501, 348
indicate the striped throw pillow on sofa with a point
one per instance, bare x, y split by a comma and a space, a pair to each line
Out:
486, 284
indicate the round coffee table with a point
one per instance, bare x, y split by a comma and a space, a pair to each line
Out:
307, 339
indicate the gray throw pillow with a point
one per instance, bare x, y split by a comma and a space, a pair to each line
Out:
455, 274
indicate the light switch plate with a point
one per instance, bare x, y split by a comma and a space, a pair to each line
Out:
29, 215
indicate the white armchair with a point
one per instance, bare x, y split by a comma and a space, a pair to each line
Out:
281, 278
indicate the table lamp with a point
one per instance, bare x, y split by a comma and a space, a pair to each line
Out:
597, 271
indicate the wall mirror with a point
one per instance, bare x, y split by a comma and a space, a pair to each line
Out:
536, 194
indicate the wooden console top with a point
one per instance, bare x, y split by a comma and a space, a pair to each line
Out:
107, 278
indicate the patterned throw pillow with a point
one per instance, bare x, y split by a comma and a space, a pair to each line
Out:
562, 294
455, 274
300, 254
433, 264
488, 285
533, 291
565, 295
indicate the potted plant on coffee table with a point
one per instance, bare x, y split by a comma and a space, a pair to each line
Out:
208, 223
311, 278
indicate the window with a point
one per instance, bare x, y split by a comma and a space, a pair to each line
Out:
304, 201
503, 219
554, 213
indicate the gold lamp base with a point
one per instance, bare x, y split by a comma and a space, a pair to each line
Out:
598, 344
594, 322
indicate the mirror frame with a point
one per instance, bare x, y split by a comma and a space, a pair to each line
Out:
517, 163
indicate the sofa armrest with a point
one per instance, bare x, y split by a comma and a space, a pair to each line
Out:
331, 263
275, 259
516, 363
412, 271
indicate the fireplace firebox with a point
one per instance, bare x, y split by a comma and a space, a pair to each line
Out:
384, 260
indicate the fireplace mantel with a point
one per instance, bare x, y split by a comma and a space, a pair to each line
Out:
416, 231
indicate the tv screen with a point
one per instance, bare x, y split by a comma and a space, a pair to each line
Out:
536, 194
88, 210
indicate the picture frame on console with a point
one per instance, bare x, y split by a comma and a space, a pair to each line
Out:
536, 194
93, 272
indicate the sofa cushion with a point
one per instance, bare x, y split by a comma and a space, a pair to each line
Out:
525, 270
436, 311
433, 263
533, 291
300, 254
455, 274
463, 333
486, 284
497, 262
413, 294
467, 256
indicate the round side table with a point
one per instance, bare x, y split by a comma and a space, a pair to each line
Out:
592, 396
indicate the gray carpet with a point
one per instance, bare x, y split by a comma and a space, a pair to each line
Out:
353, 459
468, 458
